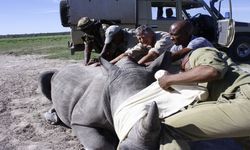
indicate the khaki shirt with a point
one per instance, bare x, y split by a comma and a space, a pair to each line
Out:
232, 76
137, 52
163, 42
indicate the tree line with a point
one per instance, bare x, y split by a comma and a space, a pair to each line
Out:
33, 35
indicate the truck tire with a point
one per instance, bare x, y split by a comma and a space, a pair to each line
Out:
64, 10
240, 49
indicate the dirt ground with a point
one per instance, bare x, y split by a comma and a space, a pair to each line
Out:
22, 126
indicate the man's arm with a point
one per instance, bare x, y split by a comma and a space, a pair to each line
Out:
148, 58
87, 52
180, 54
118, 58
198, 74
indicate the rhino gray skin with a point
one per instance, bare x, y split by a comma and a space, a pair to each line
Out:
85, 99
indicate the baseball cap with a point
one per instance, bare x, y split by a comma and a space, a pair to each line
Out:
84, 23
110, 32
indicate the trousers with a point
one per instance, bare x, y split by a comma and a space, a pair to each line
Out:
208, 120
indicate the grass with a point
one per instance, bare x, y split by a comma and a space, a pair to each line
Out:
53, 47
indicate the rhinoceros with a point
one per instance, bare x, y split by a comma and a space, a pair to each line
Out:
85, 99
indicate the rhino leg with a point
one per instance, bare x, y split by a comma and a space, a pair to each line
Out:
45, 86
145, 134
45, 83
95, 139
51, 117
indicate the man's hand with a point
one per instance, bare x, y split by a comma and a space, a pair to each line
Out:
163, 81
96, 64
199, 74
148, 58
92, 61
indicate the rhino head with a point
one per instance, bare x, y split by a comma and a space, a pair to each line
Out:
126, 79
145, 134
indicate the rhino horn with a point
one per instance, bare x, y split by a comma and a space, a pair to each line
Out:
162, 62
107, 65
151, 123
150, 128
145, 134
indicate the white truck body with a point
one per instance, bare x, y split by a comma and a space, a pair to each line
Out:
132, 13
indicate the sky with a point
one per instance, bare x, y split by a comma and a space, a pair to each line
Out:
42, 16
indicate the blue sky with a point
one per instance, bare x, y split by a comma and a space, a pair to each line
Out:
30, 16
42, 16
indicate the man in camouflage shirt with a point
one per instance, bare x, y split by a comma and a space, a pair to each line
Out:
93, 37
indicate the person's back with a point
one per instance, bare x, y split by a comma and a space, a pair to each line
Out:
117, 41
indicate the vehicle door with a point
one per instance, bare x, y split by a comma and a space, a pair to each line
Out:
226, 25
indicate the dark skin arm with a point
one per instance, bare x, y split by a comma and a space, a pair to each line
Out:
87, 52
152, 56
148, 58
198, 74
180, 54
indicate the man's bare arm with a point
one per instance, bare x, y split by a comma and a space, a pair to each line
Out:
148, 58
196, 75
180, 54
118, 58
87, 53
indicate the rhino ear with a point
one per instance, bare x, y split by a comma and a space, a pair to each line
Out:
162, 62
107, 65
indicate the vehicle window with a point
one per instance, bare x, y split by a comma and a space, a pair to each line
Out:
223, 8
196, 11
163, 13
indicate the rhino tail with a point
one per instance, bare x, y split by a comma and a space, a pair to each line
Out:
45, 83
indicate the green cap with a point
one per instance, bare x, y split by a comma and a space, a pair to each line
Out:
84, 23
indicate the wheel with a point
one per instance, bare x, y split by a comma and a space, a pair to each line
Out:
240, 49
64, 13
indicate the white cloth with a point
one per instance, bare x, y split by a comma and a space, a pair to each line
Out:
168, 102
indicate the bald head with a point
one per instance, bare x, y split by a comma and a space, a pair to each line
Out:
182, 27
181, 32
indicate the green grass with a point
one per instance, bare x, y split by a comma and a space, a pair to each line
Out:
54, 47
